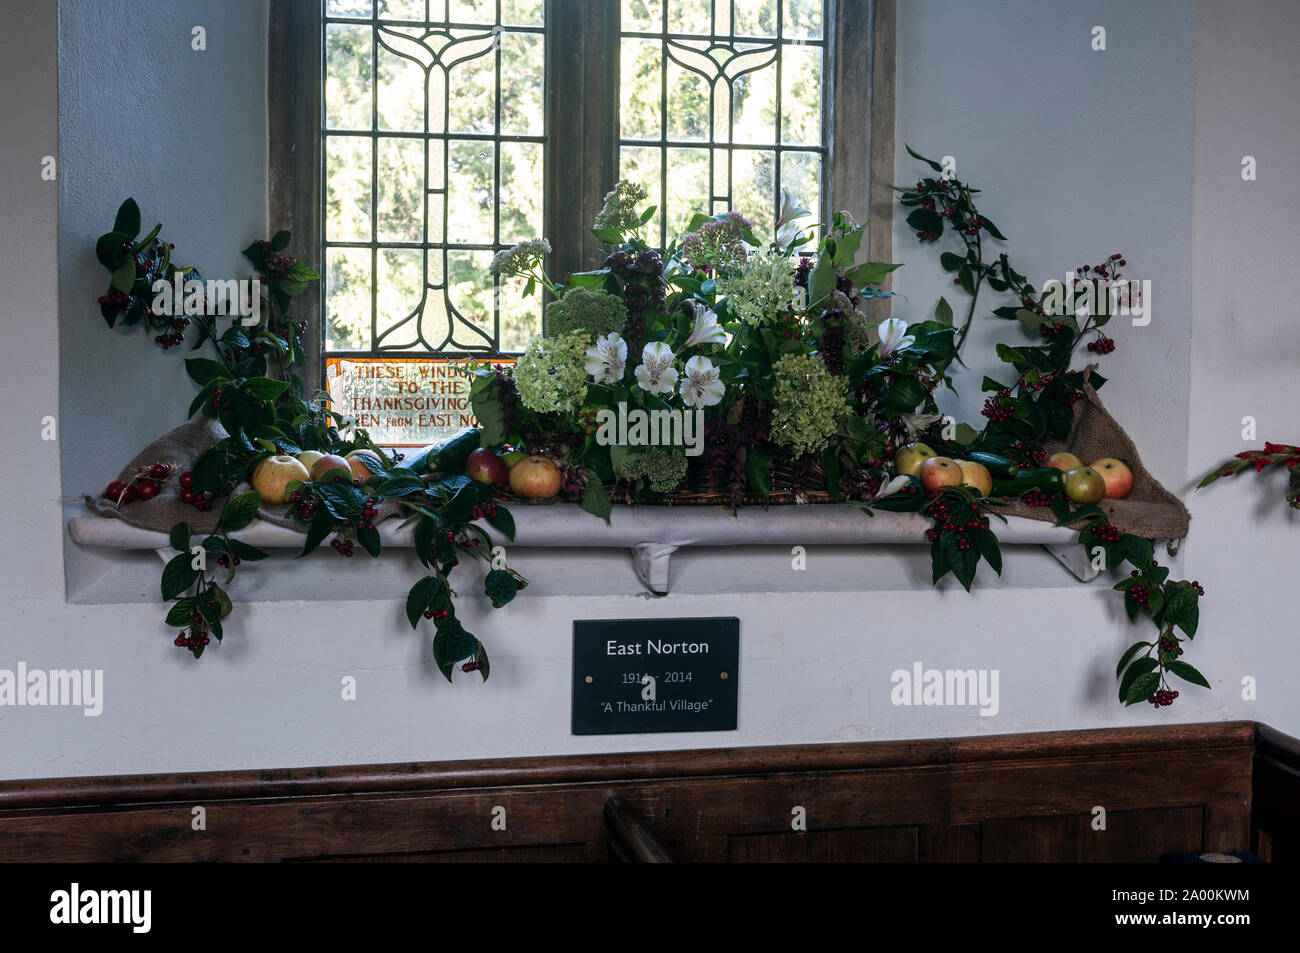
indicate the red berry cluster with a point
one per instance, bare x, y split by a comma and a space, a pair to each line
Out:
473, 666
226, 561
1052, 329
998, 407
944, 522
1200, 591
365, 520
1163, 698
343, 546
484, 511
276, 264
1169, 644
145, 485
1036, 497
217, 400
304, 506
437, 613
1140, 593
1108, 533
200, 501
1103, 345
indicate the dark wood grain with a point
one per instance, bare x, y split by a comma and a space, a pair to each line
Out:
1009, 797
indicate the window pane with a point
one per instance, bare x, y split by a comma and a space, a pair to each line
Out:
743, 79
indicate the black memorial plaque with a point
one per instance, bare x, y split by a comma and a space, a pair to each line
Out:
647, 675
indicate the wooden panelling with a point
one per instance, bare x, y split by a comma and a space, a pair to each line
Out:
998, 798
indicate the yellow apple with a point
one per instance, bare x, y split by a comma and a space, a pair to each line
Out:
976, 475
938, 472
1063, 461
909, 459
535, 478
308, 457
272, 476
364, 464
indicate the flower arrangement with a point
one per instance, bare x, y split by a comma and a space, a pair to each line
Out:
724, 365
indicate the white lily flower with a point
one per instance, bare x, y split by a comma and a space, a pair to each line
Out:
656, 374
607, 359
892, 487
915, 422
702, 386
894, 336
706, 330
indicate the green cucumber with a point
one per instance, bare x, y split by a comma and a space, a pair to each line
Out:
1000, 468
449, 455
1048, 479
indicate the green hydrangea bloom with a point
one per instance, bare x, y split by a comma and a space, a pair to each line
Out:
593, 313
759, 289
550, 375
621, 211
808, 403
664, 468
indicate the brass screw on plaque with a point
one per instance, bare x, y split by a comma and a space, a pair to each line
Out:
724, 674
588, 679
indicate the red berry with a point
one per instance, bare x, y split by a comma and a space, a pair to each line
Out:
159, 471
187, 496
114, 490
147, 489
128, 495
187, 480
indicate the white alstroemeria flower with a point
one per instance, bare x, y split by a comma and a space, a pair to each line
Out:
915, 423
893, 336
892, 487
702, 386
706, 330
607, 359
656, 373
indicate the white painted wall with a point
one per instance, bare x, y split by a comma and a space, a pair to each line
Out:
1077, 152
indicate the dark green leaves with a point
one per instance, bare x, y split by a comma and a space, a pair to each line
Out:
179, 538
758, 470
1131, 651
178, 575
453, 644
244, 551
595, 498
504, 522
421, 599
202, 370
264, 388
1183, 608
128, 219
500, 586
240, 510
1139, 681
1187, 673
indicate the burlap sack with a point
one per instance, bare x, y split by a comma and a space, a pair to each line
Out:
180, 448
1149, 510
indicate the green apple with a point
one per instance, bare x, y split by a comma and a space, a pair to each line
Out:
1085, 485
909, 459
513, 457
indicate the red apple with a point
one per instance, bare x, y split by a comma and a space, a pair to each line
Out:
976, 475
909, 459
1063, 461
535, 478
484, 466
938, 472
272, 476
1118, 477
326, 462
1085, 485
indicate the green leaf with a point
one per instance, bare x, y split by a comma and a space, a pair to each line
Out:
451, 645
1142, 688
491, 417
280, 240
178, 575
648, 214
950, 262
595, 498
1137, 551
240, 510
398, 484
822, 281
179, 537
830, 459
871, 273
202, 370
939, 565
1031, 321
1187, 673
925, 220
180, 612
369, 540
920, 158
1131, 651
965, 434
504, 522
128, 219
1183, 610
322, 525
988, 548
610, 236
943, 311
500, 586
758, 470
124, 276
246, 552
265, 388
422, 537
109, 250
967, 279
1140, 668
420, 599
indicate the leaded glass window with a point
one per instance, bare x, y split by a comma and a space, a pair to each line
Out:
432, 154
721, 105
